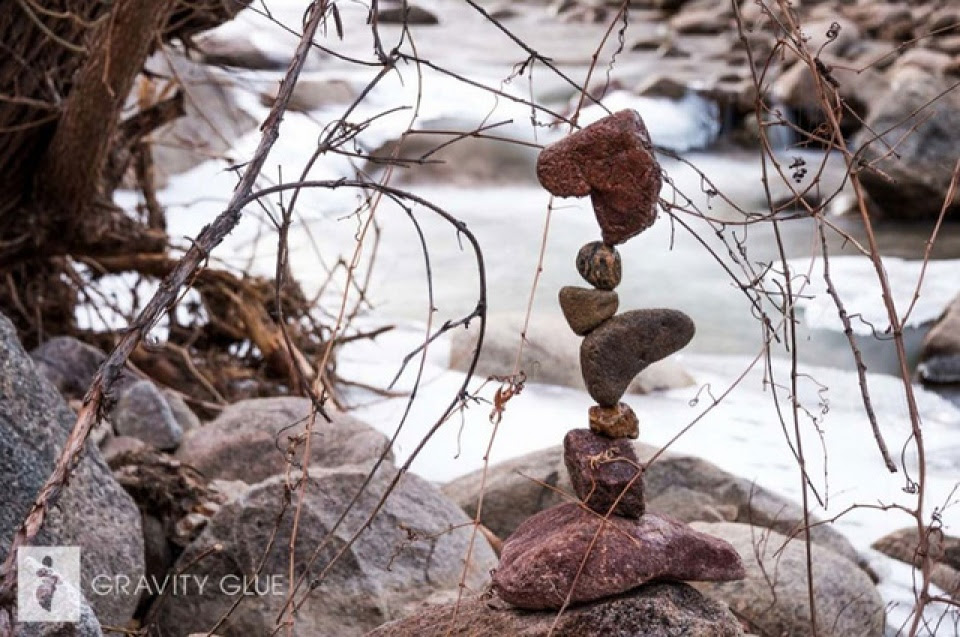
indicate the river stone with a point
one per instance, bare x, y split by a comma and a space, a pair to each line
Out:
585, 309
248, 440
93, 511
773, 598
654, 610
612, 161
599, 265
614, 422
618, 350
413, 549
143, 412
944, 550
940, 352
71, 364
605, 473
920, 117
562, 554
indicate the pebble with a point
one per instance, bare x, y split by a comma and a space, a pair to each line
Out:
599, 265
605, 473
614, 353
569, 552
614, 422
611, 160
586, 309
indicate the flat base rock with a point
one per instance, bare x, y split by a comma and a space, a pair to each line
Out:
570, 554
655, 610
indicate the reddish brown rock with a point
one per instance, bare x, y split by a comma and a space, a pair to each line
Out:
621, 348
586, 309
614, 422
599, 265
612, 161
605, 473
570, 552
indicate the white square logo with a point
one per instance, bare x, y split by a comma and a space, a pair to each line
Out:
48, 584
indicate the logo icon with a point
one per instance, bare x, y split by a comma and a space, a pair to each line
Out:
48, 584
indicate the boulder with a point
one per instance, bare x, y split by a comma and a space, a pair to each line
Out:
93, 511
550, 355
143, 412
249, 440
514, 493
940, 352
71, 364
568, 555
904, 544
773, 599
920, 117
181, 412
239, 52
656, 610
312, 94
413, 549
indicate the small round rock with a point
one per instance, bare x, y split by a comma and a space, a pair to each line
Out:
614, 422
599, 265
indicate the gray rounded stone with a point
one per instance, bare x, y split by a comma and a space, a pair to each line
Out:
621, 348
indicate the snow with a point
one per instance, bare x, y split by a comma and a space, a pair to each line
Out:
857, 284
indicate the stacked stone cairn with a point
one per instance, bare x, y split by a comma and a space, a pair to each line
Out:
607, 543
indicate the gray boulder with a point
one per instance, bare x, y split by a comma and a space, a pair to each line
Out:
515, 491
920, 117
71, 364
143, 412
940, 352
773, 599
551, 354
656, 610
181, 411
248, 441
93, 512
413, 549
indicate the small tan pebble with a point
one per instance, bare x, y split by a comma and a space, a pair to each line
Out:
599, 265
614, 422
585, 309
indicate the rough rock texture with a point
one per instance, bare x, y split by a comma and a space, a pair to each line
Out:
71, 364
569, 553
612, 161
407, 554
944, 549
185, 417
248, 440
143, 412
922, 167
655, 610
586, 309
600, 265
514, 493
618, 350
940, 353
848, 604
551, 354
605, 473
615, 422
93, 512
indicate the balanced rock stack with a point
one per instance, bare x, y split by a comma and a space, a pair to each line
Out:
608, 544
